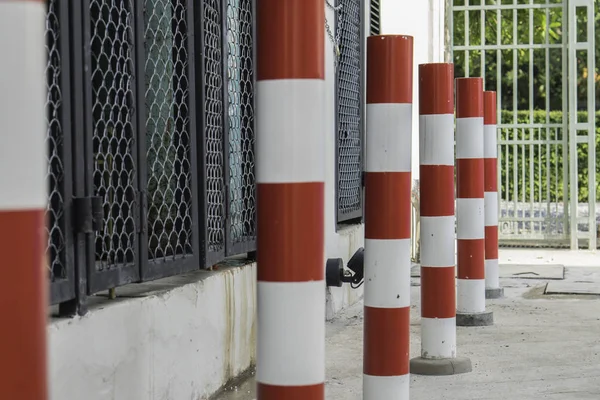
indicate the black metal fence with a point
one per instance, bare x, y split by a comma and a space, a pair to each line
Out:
150, 140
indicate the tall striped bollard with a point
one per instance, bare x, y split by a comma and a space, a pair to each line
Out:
290, 193
438, 284
387, 217
470, 232
23, 200
490, 154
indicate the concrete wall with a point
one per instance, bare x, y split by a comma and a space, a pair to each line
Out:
184, 341
185, 337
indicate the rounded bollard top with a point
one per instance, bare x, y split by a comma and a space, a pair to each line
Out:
389, 69
489, 108
469, 97
436, 88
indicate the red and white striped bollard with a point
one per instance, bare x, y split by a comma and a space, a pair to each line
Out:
493, 290
470, 301
438, 283
290, 169
387, 217
23, 201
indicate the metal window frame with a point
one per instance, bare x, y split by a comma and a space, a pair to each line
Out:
356, 217
122, 274
77, 112
150, 269
235, 248
62, 291
229, 247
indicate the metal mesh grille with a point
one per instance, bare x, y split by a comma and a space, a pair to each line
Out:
375, 17
241, 120
349, 110
167, 130
213, 106
113, 139
54, 142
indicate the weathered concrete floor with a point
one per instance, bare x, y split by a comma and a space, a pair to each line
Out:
540, 347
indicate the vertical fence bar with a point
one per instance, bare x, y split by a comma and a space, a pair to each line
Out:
23, 200
490, 155
291, 178
387, 217
470, 230
438, 286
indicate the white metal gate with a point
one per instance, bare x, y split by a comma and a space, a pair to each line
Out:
539, 57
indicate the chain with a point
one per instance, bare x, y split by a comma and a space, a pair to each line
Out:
335, 41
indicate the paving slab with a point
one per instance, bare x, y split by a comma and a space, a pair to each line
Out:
537, 349
532, 271
561, 287
521, 271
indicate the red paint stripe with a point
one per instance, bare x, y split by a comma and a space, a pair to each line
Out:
387, 205
389, 69
490, 175
489, 108
23, 305
436, 88
469, 97
272, 392
437, 190
470, 258
491, 242
469, 177
386, 341
290, 243
290, 39
438, 292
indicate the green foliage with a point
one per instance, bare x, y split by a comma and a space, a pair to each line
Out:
541, 158
534, 164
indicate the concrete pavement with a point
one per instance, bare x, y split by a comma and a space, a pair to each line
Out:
540, 347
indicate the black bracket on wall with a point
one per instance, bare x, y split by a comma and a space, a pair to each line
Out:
336, 274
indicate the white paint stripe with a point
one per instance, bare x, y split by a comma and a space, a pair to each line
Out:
492, 274
23, 153
437, 241
490, 143
386, 387
470, 219
491, 208
470, 295
438, 338
387, 273
389, 137
291, 333
290, 134
469, 137
436, 139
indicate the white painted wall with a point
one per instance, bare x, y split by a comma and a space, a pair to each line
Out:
424, 20
188, 341
182, 343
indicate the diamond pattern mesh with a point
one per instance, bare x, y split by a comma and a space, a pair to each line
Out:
213, 105
113, 124
349, 111
167, 130
240, 72
55, 174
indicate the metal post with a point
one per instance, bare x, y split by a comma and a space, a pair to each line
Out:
438, 290
23, 200
290, 167
470, 232
490, 154
387, 217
